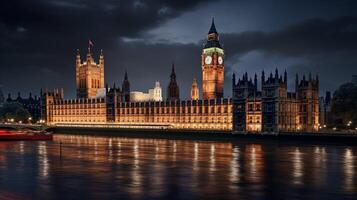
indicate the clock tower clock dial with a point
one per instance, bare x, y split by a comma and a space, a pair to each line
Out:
208, 60
220, 60
212, 66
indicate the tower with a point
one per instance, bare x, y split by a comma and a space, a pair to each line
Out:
212, 62
126, 88
173, 92
157, 92
89, 75
194, 90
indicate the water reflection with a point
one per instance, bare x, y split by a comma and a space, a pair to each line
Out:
349, 170
103, 167
297, 166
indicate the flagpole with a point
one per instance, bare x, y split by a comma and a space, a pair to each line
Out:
88, 46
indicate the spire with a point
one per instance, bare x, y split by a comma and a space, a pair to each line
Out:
194, 90
126, 87
285, 77
255, 81
173, 74
276, 73
234, 79
213, 27
126, 75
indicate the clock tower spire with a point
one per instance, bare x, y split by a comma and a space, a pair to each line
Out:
212, 63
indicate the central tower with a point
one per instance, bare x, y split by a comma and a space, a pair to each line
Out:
89, 75
212, 62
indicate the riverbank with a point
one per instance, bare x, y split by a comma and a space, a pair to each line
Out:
336, 138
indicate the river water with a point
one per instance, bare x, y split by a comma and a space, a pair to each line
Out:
88, 167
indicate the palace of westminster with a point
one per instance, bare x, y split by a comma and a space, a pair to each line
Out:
271, 108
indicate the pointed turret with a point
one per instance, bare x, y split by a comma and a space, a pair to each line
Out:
194, 90
126, 87
101, 58
78, 57
296, 82
213, 27
173, 92
233, 79
173, 74
255, 82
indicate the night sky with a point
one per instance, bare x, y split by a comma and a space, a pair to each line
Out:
39, 39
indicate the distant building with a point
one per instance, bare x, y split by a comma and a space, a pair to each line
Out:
154, 94
354, 79
31, 104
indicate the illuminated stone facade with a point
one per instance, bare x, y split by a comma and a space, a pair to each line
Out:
215, 114
212, 62
89, 76
154, 94
195, 92
274, 109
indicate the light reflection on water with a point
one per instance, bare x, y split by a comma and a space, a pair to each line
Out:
128, 168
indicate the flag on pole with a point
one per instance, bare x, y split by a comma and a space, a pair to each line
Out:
90, 43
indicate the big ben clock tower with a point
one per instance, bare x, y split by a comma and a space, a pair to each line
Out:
212, 62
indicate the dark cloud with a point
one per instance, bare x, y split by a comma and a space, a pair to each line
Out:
39, 38
326, 47
310, 37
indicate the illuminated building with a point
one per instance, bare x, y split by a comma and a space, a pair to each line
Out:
274, 109
154, 94
271, 109
31, 104
89, 75
195, 93
212, 61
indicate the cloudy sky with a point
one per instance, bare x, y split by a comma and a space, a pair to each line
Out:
39, 39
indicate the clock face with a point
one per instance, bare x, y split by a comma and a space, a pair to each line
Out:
220, 60
208, 60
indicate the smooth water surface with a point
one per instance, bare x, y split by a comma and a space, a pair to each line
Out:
91, 167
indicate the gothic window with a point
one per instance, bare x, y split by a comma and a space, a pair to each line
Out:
250, 107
